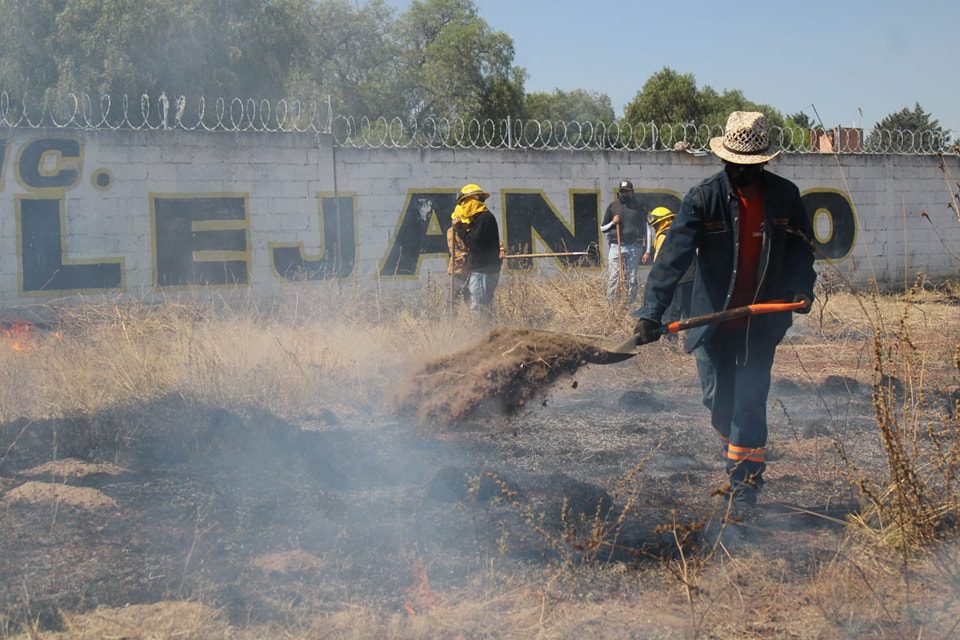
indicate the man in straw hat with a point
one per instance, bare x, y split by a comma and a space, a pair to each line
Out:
750, 235
475, 229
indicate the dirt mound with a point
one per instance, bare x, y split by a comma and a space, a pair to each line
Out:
502, 371
289, 562
73, 468
40, 492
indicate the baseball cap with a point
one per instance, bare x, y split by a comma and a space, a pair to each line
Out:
626, 185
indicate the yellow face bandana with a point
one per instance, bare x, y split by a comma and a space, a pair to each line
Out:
467, 209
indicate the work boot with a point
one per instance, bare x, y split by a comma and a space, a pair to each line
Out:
745, 495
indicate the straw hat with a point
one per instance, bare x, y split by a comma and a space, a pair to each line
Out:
745, 140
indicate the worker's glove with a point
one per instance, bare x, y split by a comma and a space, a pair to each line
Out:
802, 297
647, 331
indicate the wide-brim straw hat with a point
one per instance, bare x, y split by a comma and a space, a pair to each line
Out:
746, 139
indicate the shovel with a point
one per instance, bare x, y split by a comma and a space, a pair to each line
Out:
629, 348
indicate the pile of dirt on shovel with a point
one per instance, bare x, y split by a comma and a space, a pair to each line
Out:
501, 372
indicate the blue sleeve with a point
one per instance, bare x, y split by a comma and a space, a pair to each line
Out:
677, 253
799, 275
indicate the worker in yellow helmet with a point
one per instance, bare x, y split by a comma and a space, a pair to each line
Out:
476, 227
660, 220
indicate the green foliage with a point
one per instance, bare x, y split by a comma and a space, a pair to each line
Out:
453, 64
243, 47
579, 105
352, 56
908, 130
438, 59
666, 97
801, 119
672, 98
915, 119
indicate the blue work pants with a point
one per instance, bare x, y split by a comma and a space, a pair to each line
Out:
735, 377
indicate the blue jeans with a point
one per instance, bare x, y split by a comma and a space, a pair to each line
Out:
735, 378
630, 254
482, 286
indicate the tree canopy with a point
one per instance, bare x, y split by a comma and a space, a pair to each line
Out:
669, 97
908, 130
438, 59
577, 105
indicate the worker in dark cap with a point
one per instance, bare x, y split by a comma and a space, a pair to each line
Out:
625, 225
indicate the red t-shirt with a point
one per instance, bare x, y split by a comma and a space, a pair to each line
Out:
748, 258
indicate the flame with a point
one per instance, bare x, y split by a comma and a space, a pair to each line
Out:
18, 335
420, 595
21, 335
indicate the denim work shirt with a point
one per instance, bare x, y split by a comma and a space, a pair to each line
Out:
707, 228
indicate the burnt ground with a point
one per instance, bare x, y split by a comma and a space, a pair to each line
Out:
207, 497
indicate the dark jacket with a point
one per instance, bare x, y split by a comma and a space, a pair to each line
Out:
482, 238
633, 222
707, 228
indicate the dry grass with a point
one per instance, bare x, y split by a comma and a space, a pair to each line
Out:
895, 574
323, 347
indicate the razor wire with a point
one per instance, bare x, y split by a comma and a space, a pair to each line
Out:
241, 115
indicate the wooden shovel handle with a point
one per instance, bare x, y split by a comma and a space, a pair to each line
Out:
733, 314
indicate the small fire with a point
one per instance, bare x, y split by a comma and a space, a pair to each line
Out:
21, 335
420, 597
18, 335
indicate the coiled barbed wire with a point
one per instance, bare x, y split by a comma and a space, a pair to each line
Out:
105, 113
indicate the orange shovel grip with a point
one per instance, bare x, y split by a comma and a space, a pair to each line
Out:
732, 314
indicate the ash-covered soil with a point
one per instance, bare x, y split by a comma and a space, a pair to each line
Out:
262, 516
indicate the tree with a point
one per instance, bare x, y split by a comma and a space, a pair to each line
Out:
908, 130
801, 119
452, 65
797, 132
715, 107
241, 48
577, 105
27, 59
352, 57
680, 111
666, 97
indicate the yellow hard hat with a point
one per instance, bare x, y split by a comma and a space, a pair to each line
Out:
472, 190
660, 214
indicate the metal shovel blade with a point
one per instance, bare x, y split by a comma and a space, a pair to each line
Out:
624, 351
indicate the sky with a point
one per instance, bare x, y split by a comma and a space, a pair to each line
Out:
840, 57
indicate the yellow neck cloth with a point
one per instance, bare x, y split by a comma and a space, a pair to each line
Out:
467, 209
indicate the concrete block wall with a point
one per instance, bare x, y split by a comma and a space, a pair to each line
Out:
243, 196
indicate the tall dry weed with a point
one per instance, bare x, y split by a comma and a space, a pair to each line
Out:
915, 502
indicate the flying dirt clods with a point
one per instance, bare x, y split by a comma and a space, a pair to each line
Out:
502, 371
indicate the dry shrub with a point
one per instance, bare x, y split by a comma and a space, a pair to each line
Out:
917, 502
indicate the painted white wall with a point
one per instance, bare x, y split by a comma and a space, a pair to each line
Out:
283, 174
